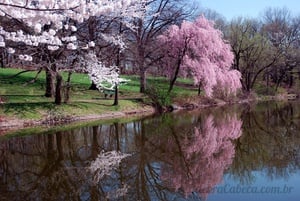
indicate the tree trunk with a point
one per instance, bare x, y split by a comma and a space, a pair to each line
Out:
58, 89
1, 60
93, 86
199, 89
49, 84
68, 87
173, 80
143, 81
116, 101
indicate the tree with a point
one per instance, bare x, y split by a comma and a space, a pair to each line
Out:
197, 49
53, 26
160, 14
283, 30
105, 78
219, 20
254, 54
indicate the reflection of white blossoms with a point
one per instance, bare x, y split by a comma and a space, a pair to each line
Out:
118, 192
105, 163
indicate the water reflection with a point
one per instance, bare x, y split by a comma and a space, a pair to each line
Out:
176, 156
195, 161
270, 142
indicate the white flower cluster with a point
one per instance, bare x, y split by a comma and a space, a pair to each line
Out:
116, 40
2, 42
53, 47
38, 13
118, 193
91, 44
32, 40
105, 77
71, 46
10, 50
25, 57
69, 38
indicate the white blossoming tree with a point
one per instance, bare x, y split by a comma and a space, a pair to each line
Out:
48, 35
107, 78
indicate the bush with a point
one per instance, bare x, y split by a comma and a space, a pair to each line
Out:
159, 97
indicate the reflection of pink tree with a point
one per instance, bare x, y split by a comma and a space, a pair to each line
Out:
203, 156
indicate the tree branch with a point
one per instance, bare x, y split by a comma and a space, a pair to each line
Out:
37, 9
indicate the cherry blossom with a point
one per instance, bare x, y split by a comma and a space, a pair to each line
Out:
197, 49
59, 15
105, 77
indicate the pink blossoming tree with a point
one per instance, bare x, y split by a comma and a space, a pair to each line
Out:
198, 50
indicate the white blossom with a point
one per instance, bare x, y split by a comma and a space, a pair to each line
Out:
38, 28
21, 57
71, 46
10, 50
118, 193
73, 28
105, 77
53, 48
116, 40
25, 57
71, 11
91, 44
52, 32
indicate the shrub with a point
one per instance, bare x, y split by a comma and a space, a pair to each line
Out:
159, 97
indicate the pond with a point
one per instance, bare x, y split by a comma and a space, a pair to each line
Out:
240, 152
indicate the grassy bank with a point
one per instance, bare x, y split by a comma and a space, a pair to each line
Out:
24, 99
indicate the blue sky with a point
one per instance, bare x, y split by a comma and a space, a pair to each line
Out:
248, 8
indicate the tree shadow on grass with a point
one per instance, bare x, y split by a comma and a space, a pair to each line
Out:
22, 95
21, 108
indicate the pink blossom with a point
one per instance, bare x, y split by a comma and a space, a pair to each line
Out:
202, 53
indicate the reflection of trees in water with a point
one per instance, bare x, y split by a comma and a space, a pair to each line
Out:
51, 167
170, 156
55, 167
270, 141
196, 161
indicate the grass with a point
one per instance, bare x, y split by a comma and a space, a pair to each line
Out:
26, 100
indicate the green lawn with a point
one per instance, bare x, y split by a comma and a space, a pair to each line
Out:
24, 99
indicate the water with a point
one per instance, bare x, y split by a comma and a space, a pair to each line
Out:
245, 152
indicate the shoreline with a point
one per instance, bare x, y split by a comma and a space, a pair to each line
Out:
14, 124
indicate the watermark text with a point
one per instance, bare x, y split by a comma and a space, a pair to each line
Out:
227, 188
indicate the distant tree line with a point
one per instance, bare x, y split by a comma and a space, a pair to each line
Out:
266, 50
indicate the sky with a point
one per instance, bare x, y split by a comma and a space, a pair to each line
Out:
248, 8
